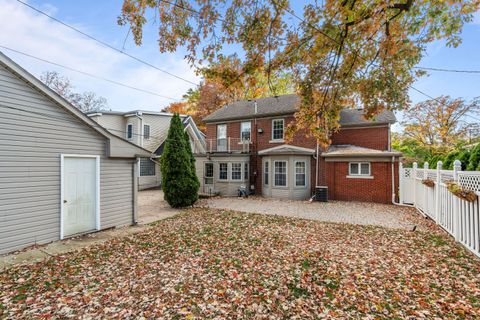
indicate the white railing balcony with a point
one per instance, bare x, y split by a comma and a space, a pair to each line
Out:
228, 145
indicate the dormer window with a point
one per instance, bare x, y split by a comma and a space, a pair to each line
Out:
277, 129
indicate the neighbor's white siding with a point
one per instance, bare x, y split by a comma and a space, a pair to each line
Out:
33, 133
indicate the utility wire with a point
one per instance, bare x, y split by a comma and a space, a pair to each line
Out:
64, 120
88, 74
105, 44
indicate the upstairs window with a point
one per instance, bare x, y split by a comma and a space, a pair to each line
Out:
147, 167
245, 130
277, 129
146, 131
359, 168
129, 131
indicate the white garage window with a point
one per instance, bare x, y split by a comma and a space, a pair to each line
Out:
236, 171
300, 174
359, 168
147, 167
280, 173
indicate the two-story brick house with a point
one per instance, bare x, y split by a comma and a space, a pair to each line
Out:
246, 146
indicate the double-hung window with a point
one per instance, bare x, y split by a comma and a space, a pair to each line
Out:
146, 131
129, 131
223, 171
222, 137
359, 169
277, 129
280, 173
245, 130
147, 167
300, 173
266, 173
236, 171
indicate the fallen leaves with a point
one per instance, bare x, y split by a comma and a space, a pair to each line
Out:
222, 264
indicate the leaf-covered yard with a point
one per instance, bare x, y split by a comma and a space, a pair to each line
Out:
206, 263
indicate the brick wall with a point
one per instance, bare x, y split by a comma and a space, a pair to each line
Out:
378, 189
374, 138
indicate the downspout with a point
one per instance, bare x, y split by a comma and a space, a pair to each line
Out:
136, 166
317, 157
139, 115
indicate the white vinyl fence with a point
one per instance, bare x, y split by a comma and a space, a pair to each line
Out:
458, 217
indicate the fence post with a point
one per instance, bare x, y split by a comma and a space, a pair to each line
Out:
401, 176
425, 190
457, 166
437, 191
414, 175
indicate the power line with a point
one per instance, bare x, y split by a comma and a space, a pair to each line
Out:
439, 101
63, 120
104, 43
447, 70
88, 74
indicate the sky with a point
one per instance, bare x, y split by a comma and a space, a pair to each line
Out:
25, 30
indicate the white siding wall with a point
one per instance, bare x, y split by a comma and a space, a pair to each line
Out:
114, 123
31, 141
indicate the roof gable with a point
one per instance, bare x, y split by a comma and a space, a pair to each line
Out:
286, 149
117, 147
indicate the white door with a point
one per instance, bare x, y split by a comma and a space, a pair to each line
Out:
80, 195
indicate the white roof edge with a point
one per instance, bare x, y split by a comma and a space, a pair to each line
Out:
287, 146
28, 77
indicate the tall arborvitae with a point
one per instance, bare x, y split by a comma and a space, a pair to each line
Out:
179, 179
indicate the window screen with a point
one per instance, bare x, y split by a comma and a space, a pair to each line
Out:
146, 131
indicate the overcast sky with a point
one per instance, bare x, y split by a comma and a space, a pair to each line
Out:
25, 30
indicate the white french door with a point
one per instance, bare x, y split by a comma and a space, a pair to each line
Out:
80, 198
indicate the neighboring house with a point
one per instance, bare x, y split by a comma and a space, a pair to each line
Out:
61, 174
148, 130
246, 146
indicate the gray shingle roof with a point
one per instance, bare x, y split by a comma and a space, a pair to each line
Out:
287, 104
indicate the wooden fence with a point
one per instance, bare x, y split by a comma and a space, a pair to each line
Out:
458, 217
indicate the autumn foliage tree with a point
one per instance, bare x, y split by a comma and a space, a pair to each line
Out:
440, 123
341, 53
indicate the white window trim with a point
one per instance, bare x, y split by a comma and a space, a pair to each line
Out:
359, 175
149, 131
283, 134
219, 165
62, 186
126, 131
241, 171
286, 174
295, 174
241, 131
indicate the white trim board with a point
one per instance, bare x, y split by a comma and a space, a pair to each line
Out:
62, 185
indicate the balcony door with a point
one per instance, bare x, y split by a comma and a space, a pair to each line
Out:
222, 137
